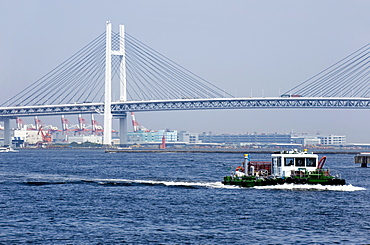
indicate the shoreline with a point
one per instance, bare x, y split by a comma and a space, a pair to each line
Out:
238, 151
206, 150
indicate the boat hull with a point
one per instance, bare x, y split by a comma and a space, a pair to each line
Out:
286, 167
251, 181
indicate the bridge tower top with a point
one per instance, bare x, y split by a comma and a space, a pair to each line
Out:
108, 77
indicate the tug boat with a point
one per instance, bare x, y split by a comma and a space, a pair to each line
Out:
291, 167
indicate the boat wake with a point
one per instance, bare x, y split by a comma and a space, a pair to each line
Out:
188, 184
162, 183
124, 182
305, 187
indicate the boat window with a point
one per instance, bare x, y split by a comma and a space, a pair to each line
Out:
310, 162
289, 161
299, 162
279, 161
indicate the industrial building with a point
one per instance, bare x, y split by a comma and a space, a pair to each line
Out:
306, 140
191, 138
141, 136
240, 139
41, 133
32, 137
27, 136
332, 139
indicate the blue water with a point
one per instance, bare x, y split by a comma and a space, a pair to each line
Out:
92, 197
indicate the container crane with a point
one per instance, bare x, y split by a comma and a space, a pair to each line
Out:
97, 128
83, 125
49, 128
67, 126
137, 126
19, 123
46, 137
38, 123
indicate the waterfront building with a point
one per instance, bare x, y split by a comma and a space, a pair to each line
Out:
142, 136
250, 139
306, 140
242, 139
326, 140
332, 139
189, 138
30, 137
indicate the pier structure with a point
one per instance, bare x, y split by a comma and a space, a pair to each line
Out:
363, 158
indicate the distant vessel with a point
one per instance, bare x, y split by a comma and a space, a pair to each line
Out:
292, 167
7, 149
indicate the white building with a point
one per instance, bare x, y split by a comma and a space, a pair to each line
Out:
141, 136
332, 139
191, 138
306, 140
30, 137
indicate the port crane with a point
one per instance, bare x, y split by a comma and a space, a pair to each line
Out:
46, 136
137, 126
97, 128
21, 124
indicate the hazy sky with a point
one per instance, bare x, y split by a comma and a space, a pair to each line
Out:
246, 47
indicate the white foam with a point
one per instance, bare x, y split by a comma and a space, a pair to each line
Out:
201, 184
313, 187
285, 186
168, 183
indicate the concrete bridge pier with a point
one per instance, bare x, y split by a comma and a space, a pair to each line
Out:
363, 158
7, 140
122, 128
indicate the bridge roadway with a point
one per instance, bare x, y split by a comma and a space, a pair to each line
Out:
187, 104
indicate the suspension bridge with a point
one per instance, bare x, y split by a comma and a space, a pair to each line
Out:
146, 80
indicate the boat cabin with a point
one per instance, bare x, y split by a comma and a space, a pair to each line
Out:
287, 162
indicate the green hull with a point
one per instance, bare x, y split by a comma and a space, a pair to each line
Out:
320, 177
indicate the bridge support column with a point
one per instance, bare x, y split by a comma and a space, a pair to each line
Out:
123, 86
123, 130
7, 131
108, 87
122, 65
108, 81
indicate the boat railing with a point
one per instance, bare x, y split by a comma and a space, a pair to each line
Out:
261, 166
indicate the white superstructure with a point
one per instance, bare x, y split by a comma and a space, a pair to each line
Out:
287, 161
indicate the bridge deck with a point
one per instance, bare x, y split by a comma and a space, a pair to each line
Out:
187, 104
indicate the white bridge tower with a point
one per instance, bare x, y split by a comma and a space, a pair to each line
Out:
108, 86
